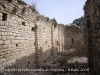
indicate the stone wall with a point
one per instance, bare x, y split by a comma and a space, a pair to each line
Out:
92, 34
73, 37
26, 37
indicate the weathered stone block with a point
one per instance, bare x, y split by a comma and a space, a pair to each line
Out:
5, 33
12, 24
11, 37
1, 22
0, 14
18, 37
10, 8
17, 41
0, 37
11, 33
7, 42
1, 42
0, 46
1, 33
12, 41
0, 18
10, 45
4, 37
4, 46
1, 7
4, 64
14, 45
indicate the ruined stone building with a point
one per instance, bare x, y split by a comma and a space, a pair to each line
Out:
26, 37
73, 37
92, 34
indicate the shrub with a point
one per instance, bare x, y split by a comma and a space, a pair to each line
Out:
55, 22
33, 6
61, 61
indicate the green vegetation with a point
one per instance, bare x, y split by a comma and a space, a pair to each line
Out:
55, 23
61, 61
79, 22
33, 6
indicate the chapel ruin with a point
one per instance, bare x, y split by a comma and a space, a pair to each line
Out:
28, 38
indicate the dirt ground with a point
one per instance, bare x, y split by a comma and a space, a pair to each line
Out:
67, 62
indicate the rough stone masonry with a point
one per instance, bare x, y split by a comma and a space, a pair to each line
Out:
26, 37
92, 34
73, 37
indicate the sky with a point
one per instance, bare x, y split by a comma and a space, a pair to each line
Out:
64, 11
